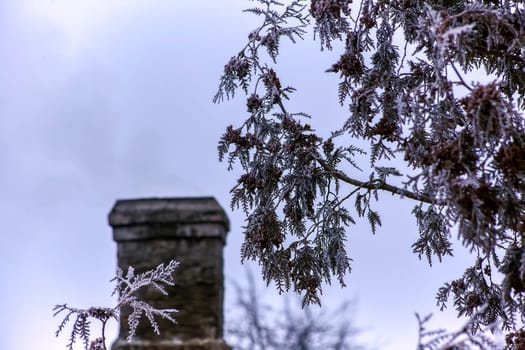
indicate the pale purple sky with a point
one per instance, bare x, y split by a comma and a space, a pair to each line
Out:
108, 99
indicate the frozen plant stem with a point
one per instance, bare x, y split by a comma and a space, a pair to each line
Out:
126, 286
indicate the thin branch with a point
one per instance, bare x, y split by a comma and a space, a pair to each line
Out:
402, 58
378, 186
460, 77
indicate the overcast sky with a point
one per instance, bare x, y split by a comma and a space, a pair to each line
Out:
109, 99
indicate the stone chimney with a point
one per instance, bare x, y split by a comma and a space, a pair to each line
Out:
192, 231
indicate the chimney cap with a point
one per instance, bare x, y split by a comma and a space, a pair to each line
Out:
167, 211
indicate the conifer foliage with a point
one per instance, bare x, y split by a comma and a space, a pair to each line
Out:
438, 84
126, 286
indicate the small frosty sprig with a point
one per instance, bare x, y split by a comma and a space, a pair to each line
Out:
464, 338
126, 287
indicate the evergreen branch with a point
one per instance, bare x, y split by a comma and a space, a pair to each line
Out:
126, 287
466, 148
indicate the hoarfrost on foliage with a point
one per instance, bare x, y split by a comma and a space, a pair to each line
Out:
402, 69
126, 286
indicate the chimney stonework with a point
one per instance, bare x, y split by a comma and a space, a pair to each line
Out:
192, 231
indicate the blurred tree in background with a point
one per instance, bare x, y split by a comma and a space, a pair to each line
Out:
260, 326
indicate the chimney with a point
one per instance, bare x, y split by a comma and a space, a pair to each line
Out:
192, 231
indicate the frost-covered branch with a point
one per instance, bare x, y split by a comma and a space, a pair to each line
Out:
125, 286
378, 185
463, 144
441, 339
